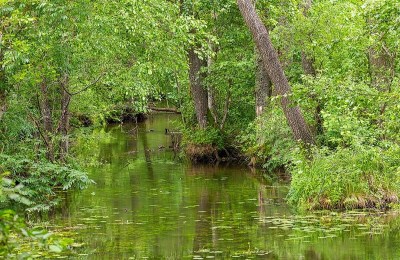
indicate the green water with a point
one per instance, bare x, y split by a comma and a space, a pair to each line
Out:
145, 204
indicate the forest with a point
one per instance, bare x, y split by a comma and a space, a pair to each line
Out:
261, 112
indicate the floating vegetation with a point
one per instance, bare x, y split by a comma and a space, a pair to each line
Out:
331, 225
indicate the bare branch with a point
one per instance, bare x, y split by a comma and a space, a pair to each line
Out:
226, 110
45, 139
86, 87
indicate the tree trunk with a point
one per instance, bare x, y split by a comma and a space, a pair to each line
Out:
196, 75
226, 106
64, 118
3, 101
211, 90
307, 62
199, 92
212, 106
272, 65
382, 71
381, 65
263, 85
47, 122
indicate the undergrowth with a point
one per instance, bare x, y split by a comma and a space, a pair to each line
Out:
269, 140
368, 177
202, 145
37, 181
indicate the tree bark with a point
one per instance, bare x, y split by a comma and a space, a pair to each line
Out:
199, 92
272, 65
381, 65
64, 118
3, 101
211, 90
382, 71
307, 62
263, 85
196, 75
47, 122
212, 106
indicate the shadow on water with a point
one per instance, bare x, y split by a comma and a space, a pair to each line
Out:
147, 205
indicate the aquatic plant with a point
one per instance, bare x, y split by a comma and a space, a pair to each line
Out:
17, 240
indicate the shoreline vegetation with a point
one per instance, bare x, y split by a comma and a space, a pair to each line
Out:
366, 178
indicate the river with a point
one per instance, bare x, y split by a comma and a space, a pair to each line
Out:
148, 205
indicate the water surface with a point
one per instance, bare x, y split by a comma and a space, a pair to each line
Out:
148, 205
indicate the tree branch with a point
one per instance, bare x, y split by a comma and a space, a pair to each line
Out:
226, 110
39, 129
85, 88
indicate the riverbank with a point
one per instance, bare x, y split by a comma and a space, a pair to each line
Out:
364, 179
143, 194
147, 204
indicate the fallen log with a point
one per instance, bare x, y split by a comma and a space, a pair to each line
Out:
164, 109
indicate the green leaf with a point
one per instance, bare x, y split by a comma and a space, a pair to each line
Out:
55, 248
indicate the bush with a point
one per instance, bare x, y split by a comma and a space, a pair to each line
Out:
367, 177
11, 192
39, 180
269, 139
202, 145
209, 136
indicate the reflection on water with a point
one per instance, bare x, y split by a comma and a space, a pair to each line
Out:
147, 205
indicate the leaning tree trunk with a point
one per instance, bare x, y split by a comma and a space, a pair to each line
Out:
263, 85
199, 92
272, 65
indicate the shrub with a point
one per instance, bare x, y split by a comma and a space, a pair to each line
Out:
39, 180
269, 140
209, 136
202, 145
